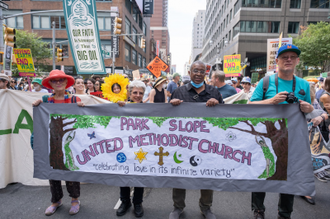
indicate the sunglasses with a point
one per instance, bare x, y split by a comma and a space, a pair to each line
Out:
54, 81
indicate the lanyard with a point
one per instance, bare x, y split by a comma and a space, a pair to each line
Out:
293, 85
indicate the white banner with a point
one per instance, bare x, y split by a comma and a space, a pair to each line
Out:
16, 125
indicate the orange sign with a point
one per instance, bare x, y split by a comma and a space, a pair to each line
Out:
156, 66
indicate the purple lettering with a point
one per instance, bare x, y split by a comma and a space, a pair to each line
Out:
228, 151
190, 129
248, 158
173, 125
138, 124
196, 125
180, 127
191, 142
203, 126
120, 142
144, 125
201, 144
222, 150
95, 149
130, 122
82, 162
123, 121
184, 140
213, 148
142, 138
234, 153
173, 140
108, 146
157, 139
132, 140
150, 138
167, 140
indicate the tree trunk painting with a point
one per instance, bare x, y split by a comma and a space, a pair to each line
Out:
279, 139
56, 157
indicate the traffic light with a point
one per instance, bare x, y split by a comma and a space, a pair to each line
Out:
10, 38
117, 26
59, 54
143, 43
1, 57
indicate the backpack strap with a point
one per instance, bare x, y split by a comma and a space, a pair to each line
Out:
265, 86
73, 99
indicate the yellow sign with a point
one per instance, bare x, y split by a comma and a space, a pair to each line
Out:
24, 60
232, 65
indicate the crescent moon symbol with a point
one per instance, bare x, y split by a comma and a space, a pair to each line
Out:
176, 160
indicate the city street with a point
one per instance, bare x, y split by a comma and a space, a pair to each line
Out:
99, 201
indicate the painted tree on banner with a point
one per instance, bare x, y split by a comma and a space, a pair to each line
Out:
278, 137
60, 125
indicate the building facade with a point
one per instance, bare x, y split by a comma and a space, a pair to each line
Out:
131, 55
243, 27
159, 29
197, 35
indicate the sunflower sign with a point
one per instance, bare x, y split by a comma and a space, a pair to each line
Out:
167, 146
114, 88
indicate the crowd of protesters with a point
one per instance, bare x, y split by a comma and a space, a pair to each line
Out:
62, 88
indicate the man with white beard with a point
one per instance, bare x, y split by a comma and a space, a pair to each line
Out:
37, 86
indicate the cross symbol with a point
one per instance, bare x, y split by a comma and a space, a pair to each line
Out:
161, 154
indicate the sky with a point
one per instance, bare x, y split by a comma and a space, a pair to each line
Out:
181, 14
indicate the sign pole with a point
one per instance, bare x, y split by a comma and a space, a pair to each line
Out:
113, 60
1, 36
53, 43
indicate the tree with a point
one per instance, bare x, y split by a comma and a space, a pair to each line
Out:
58, 128
278, 137
39, 49
314, 43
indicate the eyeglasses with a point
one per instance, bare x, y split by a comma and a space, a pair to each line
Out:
54, 81
195, 71
285, 58
137, 93
12, 81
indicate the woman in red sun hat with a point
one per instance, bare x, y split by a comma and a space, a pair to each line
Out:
59, 81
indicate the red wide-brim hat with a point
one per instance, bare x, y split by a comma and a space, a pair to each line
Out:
57, 74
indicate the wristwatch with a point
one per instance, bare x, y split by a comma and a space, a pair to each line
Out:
323, 117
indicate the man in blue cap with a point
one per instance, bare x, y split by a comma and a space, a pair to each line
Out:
279, 86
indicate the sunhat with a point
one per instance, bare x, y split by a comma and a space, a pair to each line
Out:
4, 76
57, 74
159, 81
37, 80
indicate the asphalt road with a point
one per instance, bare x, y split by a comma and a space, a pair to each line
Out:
99, 202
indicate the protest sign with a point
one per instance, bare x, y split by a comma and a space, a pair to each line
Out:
232, 65
143, 146
24, 60
83, 34
272, 48
320, 150
156, 66
136, 74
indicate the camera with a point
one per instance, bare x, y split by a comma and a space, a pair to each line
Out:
291, 98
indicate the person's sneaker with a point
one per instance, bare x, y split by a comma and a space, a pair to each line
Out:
138, 210
325, 175
208, 214
320, 177
175, 214
124, 206
259, 214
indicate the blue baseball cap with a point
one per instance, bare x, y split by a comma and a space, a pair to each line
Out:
288, 48
246, 80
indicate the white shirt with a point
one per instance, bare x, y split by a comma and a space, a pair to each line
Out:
41, 91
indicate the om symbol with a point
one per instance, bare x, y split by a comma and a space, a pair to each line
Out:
121, 157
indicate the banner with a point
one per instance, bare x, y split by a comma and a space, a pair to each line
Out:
148, 8
83, 34
232, 65
16, 126
142, 146
239, 98
272, 47
24, 60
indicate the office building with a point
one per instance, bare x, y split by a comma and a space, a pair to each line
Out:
243, 27
159, 29
131, 55
197, 35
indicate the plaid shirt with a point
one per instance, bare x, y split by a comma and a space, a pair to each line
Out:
188, 94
